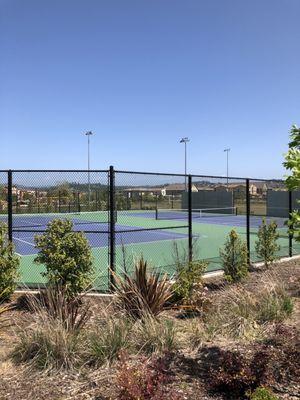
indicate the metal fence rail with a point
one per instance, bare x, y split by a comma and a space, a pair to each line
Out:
125, 214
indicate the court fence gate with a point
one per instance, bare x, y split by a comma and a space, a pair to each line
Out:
164, 217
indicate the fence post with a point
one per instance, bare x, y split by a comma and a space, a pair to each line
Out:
290, 234
112, 228
141, 201
9, 205
248, 219
190, 219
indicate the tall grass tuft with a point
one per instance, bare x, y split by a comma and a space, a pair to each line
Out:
143, 293
152, 335
109, 338
234, 314
54, 339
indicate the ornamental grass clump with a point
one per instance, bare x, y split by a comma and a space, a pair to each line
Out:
54, 338
143, 293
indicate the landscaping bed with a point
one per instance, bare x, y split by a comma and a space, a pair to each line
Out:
196, 355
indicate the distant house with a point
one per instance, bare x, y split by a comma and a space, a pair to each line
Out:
152, 191
236, 188
177, 188
259, 188
205, 188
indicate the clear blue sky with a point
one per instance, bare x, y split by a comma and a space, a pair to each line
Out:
141, 74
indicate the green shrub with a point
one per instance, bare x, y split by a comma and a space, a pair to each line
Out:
9, 265
292, 164
144, 293
266, 246
234, 258
66, 255
262, 393
189, 280
145, 379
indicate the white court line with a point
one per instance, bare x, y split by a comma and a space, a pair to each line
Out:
24, 241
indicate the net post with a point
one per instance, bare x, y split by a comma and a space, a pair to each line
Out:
112, 227
248, 219
9, 205
290, 233
141, 200
78, 201
156, 213
190, 219
59, 201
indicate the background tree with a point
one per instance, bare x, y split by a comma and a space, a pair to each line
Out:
292, 164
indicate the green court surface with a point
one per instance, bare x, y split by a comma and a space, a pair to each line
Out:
209, 236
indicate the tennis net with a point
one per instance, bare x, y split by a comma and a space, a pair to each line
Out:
196, 213
41, 220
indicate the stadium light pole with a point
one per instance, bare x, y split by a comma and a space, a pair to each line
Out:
227, 158
185, 140
89, 134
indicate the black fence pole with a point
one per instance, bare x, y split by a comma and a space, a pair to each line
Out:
190, 219
112, 228
248, 219
78, 202
10, 206
290, 233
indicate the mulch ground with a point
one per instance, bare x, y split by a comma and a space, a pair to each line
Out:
189, 375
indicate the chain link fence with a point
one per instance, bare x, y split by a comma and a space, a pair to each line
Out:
166, 218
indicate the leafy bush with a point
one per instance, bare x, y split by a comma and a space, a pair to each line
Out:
9, 264
234, 258
144, 293
152, 335
292, 163
235, 374
266, 246
108, 340
144, 380
66, 255
262, 393
189, 281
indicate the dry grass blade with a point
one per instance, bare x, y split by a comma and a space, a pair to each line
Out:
53, 301
143, 293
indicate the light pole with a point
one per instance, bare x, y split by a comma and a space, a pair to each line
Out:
185, 140
227, 157
88, 134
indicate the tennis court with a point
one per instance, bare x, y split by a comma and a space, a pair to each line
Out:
151, 233
150, 217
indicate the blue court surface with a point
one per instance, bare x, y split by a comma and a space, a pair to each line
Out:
211, 219
24, 241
